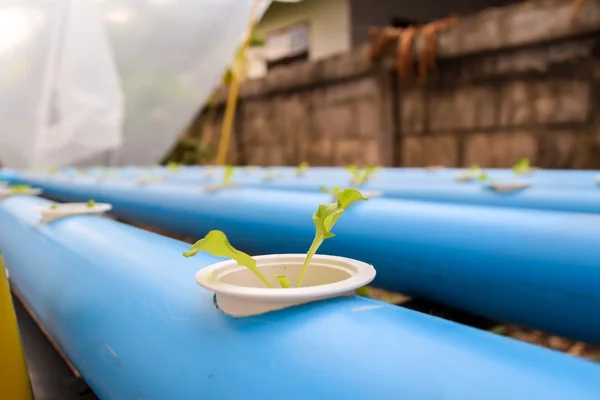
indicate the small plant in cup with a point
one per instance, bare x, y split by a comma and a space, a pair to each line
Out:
173, 167
522, 167
227, 179
90, 204
360, 175
217, 244
271, 175
19, 189
474, 172
489, 183
54, 206
302, 168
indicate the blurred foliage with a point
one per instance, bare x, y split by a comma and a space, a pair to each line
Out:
189, 151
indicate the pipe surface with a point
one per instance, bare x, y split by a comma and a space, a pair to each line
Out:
535, 268
123, 305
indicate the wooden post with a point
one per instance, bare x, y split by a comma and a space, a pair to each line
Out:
14, 379
234, 88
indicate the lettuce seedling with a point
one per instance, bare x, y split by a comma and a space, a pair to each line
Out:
360, 176
228, 175
325, 218
173, 166
333, 191
54, 206
283, 281
216, 244
90, 204
522, 166
227, 180
19, 188
302, 168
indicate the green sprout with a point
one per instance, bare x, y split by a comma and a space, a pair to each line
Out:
228, 175
283, 281
302, 168
474, 172
333, 191
522, 166
19, 188
173, 166
90, 204
360, 176
216, 244
227, 180
54, 206
325, 218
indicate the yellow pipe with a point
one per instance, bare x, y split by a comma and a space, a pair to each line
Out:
234, 89
14, 379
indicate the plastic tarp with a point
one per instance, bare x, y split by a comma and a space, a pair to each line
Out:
116, 82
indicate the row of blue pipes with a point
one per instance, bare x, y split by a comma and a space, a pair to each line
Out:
562, 190
123, 306
535, 268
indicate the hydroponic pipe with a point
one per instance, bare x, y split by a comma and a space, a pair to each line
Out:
315, 177
534, 197
535, 268
124, 307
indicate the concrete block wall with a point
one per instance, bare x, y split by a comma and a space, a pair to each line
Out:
512, 82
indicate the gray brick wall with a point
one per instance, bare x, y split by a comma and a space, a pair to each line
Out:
513, 82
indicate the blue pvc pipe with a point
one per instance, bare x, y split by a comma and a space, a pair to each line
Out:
6, 175
535, 268
535, 197
123, 305
389, 177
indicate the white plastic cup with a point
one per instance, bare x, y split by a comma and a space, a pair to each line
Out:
240, 293
6, 192
435, 168
68, 209
468, 176
508, 187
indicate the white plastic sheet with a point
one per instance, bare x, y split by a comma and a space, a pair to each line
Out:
60, 94
65, 66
